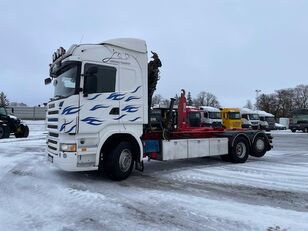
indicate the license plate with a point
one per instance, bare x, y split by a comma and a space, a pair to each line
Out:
50, 158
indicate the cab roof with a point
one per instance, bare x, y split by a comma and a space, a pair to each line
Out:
134, 44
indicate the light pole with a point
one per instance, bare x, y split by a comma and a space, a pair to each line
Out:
257, 96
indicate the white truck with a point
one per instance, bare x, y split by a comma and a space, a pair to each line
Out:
267, 120
99, 117
250, 119
210, 116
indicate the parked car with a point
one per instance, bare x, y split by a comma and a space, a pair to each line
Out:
280, 126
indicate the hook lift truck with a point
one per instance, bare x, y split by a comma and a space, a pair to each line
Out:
100, 117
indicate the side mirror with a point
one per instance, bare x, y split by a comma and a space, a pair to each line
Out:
47, 81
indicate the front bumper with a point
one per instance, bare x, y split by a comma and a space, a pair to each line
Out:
72, 162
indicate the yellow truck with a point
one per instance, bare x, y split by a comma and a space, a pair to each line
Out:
231, 118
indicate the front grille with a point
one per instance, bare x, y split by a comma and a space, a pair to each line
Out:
53, 112
52, 148
52, 119
53, 134
52, 126
52, 141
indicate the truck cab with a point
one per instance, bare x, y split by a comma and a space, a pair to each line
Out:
210, 116
231, 118
299, 120
100, 95
267, 120
250, 119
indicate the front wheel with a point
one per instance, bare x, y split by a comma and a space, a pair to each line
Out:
4, 131
239, 150
119, 162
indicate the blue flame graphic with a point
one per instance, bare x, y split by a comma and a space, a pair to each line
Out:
120, 117
136, 90
116, 96
130, 108
98, 107
92, 121
132, 98
64, 125
94, 97
133, 120
71, 129
69, 110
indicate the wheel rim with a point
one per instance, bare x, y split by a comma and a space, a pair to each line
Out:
240, 150
260, 145
125, 160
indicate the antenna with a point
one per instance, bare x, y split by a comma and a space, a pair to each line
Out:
81, 38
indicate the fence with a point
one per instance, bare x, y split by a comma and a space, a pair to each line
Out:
28, 113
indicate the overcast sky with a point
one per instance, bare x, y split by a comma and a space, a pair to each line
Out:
229, 48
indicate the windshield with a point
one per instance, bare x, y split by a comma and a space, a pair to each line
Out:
194, 119
2, 111
234, 115
270, 119
67, 80
214, 115
254, 117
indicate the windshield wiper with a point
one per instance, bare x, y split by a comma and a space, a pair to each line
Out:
56, 97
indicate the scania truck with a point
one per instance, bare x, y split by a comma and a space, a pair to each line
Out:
100, 116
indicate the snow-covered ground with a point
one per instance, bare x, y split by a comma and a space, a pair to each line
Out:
196, 194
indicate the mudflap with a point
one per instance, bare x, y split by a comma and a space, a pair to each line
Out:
139, 166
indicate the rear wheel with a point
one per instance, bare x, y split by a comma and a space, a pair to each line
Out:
4, 131
22, 131
119, 162
259, 146
293, 130
239, 151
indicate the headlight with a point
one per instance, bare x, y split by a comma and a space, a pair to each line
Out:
68, 147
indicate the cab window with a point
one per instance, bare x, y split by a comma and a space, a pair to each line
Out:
99, 79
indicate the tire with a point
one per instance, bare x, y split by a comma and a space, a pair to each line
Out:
305, 130
293, 130
4, 131
119, 162
259, 146
22, 131
239, 150
26, 131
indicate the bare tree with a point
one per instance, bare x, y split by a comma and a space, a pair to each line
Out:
248, 104
300, 96
157, 99
285, 102
268, 103
206, 99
